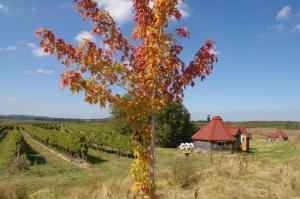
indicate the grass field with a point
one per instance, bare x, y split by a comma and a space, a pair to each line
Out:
271, 170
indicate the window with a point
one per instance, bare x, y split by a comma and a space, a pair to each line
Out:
220, 144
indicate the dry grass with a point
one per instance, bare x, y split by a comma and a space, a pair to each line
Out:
108, 190
13, 191
272, 171
289, 186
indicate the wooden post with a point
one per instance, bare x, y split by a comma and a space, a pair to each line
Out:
18, 155
152, 155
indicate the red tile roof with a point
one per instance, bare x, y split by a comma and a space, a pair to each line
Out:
235, 129
215, 130
276, 134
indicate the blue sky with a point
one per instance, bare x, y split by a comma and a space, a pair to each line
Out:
257, 77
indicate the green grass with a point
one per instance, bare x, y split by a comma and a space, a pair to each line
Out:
6, 150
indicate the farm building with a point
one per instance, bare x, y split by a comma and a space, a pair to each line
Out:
277, 135
216, 136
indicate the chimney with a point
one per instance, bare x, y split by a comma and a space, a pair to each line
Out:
208, 119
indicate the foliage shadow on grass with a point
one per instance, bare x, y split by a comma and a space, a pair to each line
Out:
2, 135
33, 156
95, 160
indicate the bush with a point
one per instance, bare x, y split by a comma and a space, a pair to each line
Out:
184, 171
19, 164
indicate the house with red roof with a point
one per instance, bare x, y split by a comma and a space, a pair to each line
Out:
277, 135
216, 136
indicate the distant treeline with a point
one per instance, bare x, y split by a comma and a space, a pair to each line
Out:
196, 124
50, 119
259, 124
269, 124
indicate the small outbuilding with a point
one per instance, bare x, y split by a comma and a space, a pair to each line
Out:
277, 135
216, 136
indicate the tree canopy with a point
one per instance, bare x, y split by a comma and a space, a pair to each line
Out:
174, 126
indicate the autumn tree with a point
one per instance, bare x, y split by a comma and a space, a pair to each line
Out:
147, 66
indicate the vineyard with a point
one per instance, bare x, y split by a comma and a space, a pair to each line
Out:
72, 140
75, 140
75, 144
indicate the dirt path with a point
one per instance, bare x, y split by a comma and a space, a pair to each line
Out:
78, 163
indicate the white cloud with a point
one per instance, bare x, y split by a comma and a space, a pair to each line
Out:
151, 4
45, 72
3, 8
20, 41
284, 13
11, 48
120, 10
280, 27
183, 8
40, 71
36, 50
12, 99
214, 51
8, 48
84, 35
31, 45
297, 27
39, 52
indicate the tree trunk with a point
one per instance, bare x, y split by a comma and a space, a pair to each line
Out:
152, 155
18, 154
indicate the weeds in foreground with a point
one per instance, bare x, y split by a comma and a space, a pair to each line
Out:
290, 182
108, 190
184, 171
19, 164
13, 191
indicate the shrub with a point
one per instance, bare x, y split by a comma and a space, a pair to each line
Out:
19, 164
184, 171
